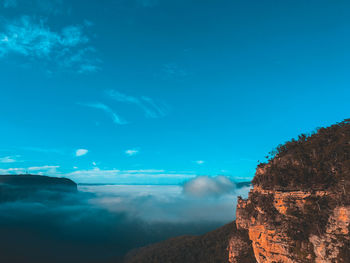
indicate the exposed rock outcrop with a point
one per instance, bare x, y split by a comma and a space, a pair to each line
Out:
289, 226
299, 207
298, 210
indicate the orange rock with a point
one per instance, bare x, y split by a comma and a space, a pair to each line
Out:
271, 241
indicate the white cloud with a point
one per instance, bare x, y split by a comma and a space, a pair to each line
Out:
13, 170
148, 106
46, 169
200, 162
131, 152
9, 159
116, 119
116, 176
144, 171
81, 152
208, 186
95, 172
32, 38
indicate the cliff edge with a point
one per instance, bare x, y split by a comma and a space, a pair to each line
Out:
299, 207
298, 210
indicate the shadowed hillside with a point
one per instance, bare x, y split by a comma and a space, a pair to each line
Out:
208, 248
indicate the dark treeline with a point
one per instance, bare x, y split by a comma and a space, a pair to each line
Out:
318, 161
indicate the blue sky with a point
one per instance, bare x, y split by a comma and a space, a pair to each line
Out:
159, 91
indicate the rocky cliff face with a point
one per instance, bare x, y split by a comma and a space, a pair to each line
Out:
298, 210
286, 226
299, 207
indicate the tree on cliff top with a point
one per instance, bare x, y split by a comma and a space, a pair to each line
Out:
317, 161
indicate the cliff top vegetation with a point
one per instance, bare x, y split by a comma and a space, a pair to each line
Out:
320, 160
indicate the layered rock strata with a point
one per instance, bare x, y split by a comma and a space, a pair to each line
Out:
283, 226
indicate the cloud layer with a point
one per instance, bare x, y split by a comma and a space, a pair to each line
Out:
141, 176
101, 223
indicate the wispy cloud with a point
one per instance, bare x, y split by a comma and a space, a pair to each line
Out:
116, 175
81, 152
32, 38
156, 110
148, 106
9, 159
144, 171
106, 109
46, 169
200, 162
131, 152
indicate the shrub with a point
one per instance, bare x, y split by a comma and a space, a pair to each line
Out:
318, 161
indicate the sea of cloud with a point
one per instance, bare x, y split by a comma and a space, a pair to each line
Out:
101, 223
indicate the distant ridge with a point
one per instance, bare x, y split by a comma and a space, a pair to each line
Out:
35, 180
28, 186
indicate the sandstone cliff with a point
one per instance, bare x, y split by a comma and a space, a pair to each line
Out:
297, 211
293, 226
299, 207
